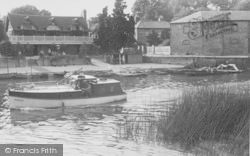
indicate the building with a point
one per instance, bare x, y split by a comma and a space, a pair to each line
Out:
211, 33
48, 32
144, 28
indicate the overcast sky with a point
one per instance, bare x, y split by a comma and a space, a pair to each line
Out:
64, 7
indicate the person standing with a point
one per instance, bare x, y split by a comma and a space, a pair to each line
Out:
49, 52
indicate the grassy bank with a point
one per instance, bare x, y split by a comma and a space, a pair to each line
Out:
215, 114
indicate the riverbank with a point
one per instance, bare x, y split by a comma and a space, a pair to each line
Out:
96, 66
196, 61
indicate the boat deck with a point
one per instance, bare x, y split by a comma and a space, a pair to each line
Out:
45, 89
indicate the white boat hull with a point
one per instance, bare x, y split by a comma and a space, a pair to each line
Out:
20, 102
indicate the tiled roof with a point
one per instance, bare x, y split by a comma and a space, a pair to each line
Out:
205, 15
152, 24
42, 22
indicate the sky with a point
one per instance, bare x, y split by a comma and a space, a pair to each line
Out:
64, 7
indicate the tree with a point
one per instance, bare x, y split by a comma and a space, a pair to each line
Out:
152, 9
3, 35
115, 31
44, 13
120, 5
181, 8
224, 4
123, 27
130, 32
153, 39
165, 34
29, 10
6, 49
105, 30
243, 5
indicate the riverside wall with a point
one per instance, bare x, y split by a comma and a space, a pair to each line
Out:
46, 61
199, 61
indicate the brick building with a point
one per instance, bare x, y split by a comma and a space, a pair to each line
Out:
144, 28
211, 33
48, 32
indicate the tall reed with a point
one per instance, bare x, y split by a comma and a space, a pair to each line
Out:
214, 113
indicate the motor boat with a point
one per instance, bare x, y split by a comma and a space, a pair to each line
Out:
74, 90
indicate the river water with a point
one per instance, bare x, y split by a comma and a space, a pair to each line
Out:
99, 130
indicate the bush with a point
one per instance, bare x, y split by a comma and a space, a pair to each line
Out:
6, 49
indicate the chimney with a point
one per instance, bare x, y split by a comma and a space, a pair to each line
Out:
84, 15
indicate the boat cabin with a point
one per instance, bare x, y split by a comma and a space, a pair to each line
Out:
95, 86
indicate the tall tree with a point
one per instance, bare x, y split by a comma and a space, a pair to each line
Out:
3, 35
152, 9
115, 31
122, 27
105, 30
29, 10
224, 4
44, 13
243, 5
183, 8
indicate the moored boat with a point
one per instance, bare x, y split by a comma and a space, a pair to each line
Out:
74, 90
206, 73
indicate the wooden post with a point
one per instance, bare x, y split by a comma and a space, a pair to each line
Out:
8, 65
223, 45
120, 61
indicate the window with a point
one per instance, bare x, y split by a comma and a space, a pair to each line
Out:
76, 27
27, 27
53, 27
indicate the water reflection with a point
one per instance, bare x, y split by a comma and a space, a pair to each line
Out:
99, 130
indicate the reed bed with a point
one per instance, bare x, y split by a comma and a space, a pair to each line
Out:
214, 117
216, 113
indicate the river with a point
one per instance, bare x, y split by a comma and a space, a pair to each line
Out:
99, 130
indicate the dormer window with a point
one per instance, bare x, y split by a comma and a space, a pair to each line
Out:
53, 25
76, 25
75, 20
27, 19
27, 25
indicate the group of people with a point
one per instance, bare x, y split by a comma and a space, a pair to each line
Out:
55, 53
